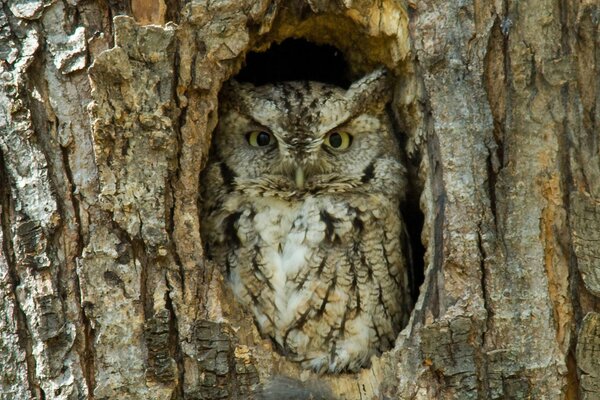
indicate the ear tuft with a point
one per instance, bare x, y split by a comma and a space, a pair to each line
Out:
235, 93
232, 88
371, 91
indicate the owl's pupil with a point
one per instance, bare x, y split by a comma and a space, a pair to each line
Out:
335, 140
263, 139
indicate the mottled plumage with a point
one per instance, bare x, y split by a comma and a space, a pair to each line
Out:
307, 226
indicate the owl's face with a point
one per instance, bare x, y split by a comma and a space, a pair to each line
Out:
307, 137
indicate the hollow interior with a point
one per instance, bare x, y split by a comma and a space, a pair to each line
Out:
299, 60
414, 219
296, 60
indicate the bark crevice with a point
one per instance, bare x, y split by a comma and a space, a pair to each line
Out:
175, 345
436, 243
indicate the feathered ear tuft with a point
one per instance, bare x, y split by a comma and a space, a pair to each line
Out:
235, 94
371, 91
232, 88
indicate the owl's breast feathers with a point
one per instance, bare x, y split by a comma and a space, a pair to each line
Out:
324, 275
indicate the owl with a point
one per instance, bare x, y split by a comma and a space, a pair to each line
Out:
301, 208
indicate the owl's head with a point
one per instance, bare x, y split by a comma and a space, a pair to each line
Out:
293, 138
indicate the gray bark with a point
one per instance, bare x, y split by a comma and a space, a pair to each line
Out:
106, 116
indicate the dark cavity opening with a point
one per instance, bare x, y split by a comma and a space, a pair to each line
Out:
411, 212
414, 219
296, 60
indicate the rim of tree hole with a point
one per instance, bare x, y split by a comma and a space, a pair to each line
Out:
299, 59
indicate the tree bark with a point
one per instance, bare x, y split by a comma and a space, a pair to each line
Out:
106, 116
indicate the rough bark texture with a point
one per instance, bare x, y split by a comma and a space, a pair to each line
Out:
106, 116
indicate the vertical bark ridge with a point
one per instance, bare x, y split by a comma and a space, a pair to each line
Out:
85, 334
436, 243
67, 237
175, 345
37, 236
25, 378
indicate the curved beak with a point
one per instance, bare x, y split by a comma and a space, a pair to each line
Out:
299, 177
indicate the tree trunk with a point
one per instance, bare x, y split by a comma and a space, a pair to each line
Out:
106, 116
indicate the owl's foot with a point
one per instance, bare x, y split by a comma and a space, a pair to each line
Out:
341, 361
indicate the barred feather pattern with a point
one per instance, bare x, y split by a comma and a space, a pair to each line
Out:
321, 268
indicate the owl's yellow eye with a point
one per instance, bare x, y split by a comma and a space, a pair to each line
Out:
338, 140
259, 138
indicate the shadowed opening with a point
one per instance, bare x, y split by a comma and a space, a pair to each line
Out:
296, 60
414, 219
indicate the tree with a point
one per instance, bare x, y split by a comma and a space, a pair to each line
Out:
105, 124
